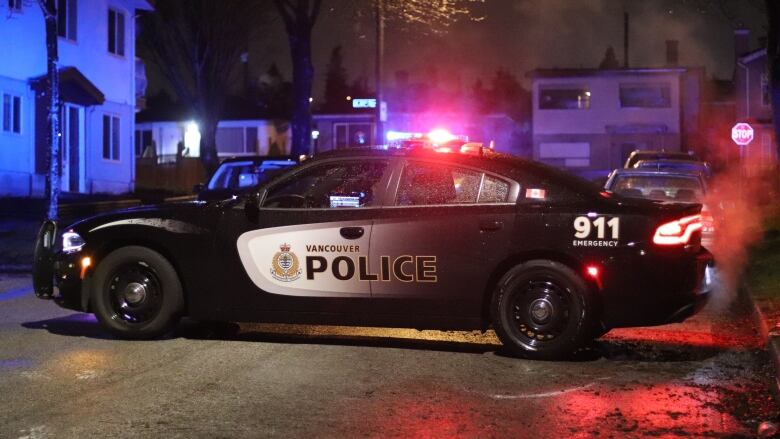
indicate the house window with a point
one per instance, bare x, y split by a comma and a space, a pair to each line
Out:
116, 32
12, 113
66, 19
348, 135
143, 143
766, 97
564, 98
568, 154
15, 5
656, 95
237, 141
111, 136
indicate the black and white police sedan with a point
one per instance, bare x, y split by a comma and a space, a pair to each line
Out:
406, 238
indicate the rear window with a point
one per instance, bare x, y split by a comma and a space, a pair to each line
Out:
661, 188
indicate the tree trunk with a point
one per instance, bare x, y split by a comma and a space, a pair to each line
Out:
303, 77
52, 88
208, 143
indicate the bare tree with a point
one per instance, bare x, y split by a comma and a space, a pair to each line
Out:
197, 45
300, 16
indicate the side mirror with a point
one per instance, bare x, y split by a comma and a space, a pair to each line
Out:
198, 188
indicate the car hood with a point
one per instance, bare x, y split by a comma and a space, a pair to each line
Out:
176, 217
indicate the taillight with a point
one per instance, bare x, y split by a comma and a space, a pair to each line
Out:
677, 232
707, 221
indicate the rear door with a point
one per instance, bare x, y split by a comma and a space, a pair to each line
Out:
441, 234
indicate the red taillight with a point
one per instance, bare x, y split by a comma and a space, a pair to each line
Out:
707, 221
677, 232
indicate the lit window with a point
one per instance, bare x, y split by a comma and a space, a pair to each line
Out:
116, 32
66, 19
12, 114
111, 136
564, 98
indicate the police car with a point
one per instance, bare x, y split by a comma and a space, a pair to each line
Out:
397, 238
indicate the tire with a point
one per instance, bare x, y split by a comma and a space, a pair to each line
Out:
136, 293
542, 310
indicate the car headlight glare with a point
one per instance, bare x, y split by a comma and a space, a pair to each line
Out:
72, 242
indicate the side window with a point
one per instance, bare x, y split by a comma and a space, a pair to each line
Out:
493, 190
426, 184
330, 185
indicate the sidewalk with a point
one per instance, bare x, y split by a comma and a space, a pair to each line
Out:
762, 279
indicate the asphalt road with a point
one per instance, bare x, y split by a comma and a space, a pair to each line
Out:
60, 376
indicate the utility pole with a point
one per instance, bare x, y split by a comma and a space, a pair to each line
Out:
380, 53
49, 9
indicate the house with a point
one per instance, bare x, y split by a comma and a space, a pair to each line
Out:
98, 73
167, 140
753, 100
589, 120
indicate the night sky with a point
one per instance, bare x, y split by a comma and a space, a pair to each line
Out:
520, 35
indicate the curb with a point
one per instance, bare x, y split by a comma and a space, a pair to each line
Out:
15, 268
771, 337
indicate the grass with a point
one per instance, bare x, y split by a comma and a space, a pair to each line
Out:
762, 274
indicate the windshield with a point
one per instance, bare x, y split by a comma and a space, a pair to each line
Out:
238, 175
659, 187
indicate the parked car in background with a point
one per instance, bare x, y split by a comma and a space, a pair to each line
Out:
702, 168
638, 155
240, 174
668, 186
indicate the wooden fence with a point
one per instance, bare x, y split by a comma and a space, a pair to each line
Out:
176, 176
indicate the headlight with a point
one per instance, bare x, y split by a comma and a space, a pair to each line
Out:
72, 242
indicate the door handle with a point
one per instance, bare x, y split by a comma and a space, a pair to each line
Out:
490, 225
351, 232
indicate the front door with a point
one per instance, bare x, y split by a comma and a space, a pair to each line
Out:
306, 248
437, 245
72, 148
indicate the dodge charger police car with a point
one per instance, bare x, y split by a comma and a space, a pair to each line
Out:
398, 238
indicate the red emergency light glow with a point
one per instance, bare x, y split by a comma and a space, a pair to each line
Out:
440, 136
593, 271
677, 232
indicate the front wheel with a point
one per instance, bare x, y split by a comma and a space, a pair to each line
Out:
542, 310
136, 293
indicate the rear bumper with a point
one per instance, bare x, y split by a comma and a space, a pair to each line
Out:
669, 289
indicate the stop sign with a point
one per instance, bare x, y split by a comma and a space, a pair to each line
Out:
742, 134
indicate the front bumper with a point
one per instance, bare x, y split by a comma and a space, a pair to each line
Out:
71, 279
662, 288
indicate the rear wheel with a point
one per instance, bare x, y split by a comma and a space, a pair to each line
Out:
137, 293
542, 310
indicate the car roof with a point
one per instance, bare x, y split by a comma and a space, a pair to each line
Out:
489, 160
654, 173
674, 162
258, 158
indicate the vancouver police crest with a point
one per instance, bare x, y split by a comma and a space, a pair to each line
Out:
285, 266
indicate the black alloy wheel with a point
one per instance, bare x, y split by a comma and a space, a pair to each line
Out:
136, 293
542, 309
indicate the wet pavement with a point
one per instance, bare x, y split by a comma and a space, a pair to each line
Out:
61, 376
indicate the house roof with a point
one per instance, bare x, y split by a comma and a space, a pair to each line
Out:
74, 87
146, 5
581, 72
